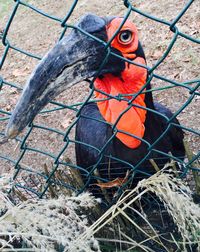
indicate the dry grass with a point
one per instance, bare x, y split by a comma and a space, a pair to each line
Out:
62, 223
178, 201
46, 225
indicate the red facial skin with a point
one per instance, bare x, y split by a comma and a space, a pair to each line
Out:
133, 79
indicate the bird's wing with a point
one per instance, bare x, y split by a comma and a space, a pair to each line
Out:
175, 133
91, 130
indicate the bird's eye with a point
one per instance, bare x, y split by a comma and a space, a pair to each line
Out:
125, 37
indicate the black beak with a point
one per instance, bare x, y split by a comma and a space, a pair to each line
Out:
75, 58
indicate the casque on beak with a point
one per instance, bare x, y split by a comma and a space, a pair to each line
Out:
75, 58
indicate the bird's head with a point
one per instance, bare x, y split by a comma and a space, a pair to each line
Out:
78, 57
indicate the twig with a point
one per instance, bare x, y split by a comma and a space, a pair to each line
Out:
21, 196
52, 193
155, 166
195, 173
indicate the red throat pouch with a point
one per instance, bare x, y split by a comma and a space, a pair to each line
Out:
133, 118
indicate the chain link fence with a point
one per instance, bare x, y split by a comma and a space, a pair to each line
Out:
40, 179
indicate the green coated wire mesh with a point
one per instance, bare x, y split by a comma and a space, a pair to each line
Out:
43, 158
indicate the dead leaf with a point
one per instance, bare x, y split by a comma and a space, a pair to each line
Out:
118, 182
157, 55
66, 122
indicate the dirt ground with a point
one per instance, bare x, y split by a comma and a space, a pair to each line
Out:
35, 33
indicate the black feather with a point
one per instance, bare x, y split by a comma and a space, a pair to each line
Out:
94, 131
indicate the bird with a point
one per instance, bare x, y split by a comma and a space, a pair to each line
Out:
119, 135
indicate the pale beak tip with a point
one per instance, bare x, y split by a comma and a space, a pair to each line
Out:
12, 132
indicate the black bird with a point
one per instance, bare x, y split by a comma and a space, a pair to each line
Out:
115, 133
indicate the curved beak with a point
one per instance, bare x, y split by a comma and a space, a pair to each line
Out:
73, 59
